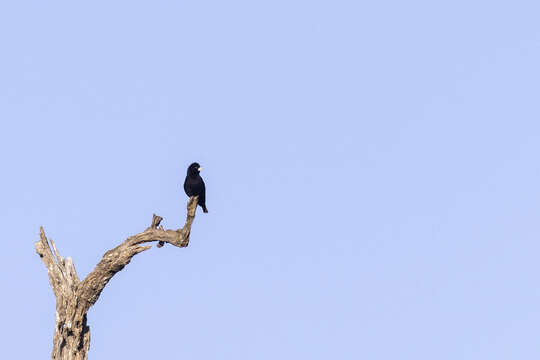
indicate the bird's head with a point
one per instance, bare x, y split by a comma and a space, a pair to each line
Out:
194, 169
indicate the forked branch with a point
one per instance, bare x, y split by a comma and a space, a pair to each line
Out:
74, 297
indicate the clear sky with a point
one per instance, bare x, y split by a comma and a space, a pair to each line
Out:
372, 175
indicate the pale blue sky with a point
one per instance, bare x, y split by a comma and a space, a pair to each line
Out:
371, 167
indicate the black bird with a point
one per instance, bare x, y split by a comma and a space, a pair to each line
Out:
194, 185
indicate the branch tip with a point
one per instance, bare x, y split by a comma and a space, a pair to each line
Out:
156, 220
42, 234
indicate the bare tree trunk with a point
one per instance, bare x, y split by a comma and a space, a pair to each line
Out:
74, 297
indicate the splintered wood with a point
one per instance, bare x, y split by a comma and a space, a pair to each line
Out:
74, 297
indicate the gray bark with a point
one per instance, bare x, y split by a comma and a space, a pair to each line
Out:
74, 297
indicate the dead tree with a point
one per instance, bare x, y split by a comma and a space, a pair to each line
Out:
74, 297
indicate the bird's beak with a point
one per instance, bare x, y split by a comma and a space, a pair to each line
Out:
199, 169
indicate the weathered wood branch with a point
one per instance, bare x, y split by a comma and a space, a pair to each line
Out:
74, 297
